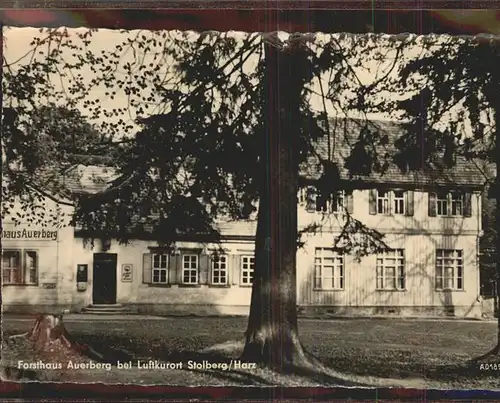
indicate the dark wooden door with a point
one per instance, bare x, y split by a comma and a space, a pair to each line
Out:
104, 278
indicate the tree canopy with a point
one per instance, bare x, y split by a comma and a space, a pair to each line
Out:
193, 111
207, 122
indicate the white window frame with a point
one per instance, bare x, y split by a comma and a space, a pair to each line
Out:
457, 204
247, 267
190, 270
449, 261
25, 275
328, 259
452, 202
30, 273
391, 203
387, 262
219, 267
327, 206
302, 196
158, 269
384, 202
398, 202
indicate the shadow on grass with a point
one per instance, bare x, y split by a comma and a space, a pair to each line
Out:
121, 348
252, 376
458, 372
246, 377
124, 349
481, 367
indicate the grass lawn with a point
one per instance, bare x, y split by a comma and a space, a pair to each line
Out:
366, 352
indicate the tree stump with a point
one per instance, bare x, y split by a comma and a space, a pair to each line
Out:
50, 338
47, 330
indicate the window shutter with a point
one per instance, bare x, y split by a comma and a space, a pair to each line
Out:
349, 200
372, 201
204, 269
172, 269
311, 200
432, 204
468, 204
146, 268
409, 201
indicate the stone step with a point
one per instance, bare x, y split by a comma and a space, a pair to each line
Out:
105, 309
100, 312
105, 306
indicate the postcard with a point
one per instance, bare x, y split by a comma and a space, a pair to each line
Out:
229, 208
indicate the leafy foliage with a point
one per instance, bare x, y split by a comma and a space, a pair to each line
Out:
193, 112
450, 96
37, 149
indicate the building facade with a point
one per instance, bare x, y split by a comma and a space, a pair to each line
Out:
431, 223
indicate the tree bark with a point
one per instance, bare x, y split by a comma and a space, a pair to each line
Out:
272, 333
49, 329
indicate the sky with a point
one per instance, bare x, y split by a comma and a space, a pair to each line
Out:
106, 41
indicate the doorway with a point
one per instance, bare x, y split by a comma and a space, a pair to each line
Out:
104, 278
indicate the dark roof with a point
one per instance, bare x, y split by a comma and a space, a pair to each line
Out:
85, 178
89, 179
66, 182
346, 134
90, 174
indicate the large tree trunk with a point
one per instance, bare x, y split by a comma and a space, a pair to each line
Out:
272, 335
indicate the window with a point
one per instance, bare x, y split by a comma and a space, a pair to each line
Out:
328, 269
332, 203
19, 268
449, 204
391, 270
383, 204
442, 204
390, 202
456, 204
30, 267
190, 269
160, 268
398, 201
219, 269
302, 196
11, 267
247, 268
449, 269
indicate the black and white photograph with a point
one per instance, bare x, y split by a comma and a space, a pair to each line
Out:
229, 208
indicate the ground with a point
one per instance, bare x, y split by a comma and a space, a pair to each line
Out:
364, 352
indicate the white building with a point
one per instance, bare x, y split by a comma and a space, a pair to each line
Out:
431, 219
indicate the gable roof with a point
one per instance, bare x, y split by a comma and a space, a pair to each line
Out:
345, 133
89, 179
93, 176
85, 178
